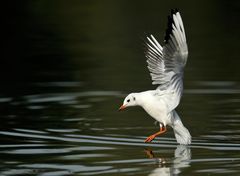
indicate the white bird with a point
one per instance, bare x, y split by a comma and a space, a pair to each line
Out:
166, 64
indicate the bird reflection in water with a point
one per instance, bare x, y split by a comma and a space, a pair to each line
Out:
181, 160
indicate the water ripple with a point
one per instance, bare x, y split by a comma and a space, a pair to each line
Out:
74, 138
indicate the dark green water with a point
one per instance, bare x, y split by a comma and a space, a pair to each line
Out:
67, 66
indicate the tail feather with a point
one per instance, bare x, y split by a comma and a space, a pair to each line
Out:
181, 132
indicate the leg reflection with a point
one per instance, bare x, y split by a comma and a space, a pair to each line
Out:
171, 166
149, 153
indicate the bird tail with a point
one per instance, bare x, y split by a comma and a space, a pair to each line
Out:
181, 132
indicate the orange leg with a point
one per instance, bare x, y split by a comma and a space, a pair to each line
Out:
163, 129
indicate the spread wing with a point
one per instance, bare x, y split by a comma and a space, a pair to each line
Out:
166, 63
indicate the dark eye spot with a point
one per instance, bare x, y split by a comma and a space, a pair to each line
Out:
128, 100
134, 98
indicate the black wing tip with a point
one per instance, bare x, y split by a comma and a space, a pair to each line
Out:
174, 11
169, 25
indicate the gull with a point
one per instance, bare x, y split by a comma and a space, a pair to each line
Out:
166, 65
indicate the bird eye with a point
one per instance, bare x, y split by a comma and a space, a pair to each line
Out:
134, 98
128, 100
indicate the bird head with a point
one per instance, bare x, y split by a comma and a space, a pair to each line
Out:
130, 100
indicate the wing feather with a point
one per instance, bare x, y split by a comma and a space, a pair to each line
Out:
166, 63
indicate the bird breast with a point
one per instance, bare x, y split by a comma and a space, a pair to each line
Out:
157, 109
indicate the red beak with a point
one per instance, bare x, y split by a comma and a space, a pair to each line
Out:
122, 108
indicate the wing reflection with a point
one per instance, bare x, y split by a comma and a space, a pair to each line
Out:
181, 160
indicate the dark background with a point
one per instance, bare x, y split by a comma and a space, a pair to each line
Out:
102, 40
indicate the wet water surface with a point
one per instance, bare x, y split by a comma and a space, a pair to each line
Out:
82, 133
62, 87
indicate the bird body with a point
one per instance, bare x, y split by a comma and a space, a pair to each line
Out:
155, 106
166, 65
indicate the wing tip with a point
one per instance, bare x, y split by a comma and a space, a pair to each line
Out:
169, 25
174, 11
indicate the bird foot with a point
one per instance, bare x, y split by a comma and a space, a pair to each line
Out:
150, 138
162, 130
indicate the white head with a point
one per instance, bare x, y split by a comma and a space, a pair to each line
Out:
130, 100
